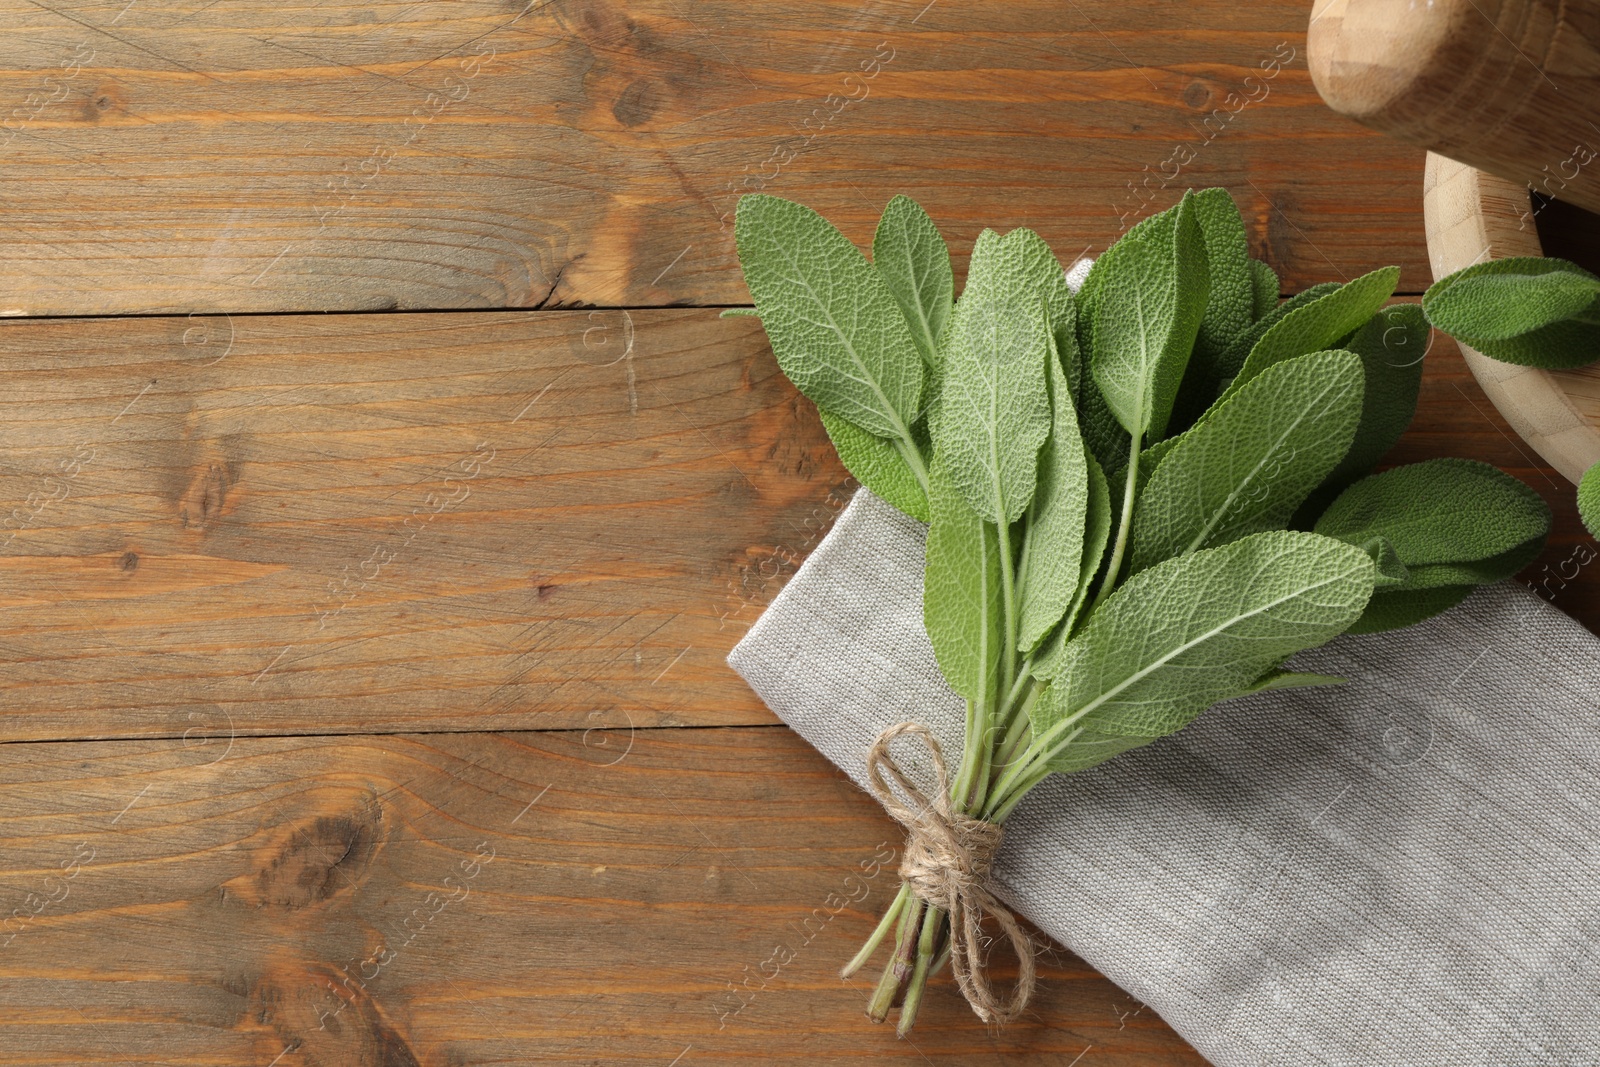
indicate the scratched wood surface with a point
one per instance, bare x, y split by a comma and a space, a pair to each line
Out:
413, 529
385, 522
255, 156
546, 897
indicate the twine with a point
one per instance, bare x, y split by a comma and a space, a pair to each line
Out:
947, 861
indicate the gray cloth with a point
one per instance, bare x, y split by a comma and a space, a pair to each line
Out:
1402, 870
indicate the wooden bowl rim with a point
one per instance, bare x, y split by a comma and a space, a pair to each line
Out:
1471, 216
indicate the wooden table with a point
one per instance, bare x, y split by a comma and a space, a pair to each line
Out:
384, 495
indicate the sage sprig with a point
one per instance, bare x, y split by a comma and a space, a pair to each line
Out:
1082, 615
1536, 311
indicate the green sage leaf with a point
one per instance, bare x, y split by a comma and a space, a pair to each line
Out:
1321, 323
1104, 435
1263, 289
1505, 298
1444, 513
1051, 565
1589, 499
993, 411
1517, 303
961, 597
1248, 466
1150, 302
1042, 271
834, 326
1157, 228
1230, 307
878, 465
914, 263
1188, 632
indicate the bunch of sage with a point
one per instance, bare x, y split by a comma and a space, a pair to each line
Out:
1535, 311
1142, 499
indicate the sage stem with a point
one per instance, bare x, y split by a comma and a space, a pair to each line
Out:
966, 775
1124, 522
879, 933
1008, 603
1017, 734
1021, 790
931, 925
978, 789
913, 456
899, 967
1024, 676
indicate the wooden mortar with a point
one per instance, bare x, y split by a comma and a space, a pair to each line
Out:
1472, 216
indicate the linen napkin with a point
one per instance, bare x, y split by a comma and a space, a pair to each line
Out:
1403, 870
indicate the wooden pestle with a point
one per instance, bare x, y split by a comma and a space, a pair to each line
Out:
1509, 86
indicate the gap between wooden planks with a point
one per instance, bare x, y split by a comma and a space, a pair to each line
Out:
253, 156
552, 897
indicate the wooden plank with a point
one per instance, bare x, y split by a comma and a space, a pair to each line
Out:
390, 522
443, 522
472, 899
253, 156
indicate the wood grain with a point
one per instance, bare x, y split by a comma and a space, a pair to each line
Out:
380, 523
236, 524
553, 897
167, 156
388, 522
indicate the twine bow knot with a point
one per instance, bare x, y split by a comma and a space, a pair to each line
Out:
947, 860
